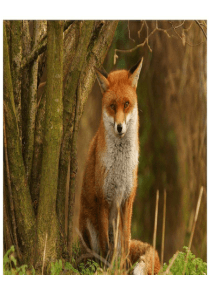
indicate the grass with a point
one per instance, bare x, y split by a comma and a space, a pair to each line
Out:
176, 266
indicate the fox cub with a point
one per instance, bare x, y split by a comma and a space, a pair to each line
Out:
110, 177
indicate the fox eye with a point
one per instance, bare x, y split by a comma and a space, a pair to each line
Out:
126, 104
112, 106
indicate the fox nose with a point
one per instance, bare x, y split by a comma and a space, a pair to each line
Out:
119, 128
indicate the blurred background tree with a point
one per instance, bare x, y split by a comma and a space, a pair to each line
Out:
172, 108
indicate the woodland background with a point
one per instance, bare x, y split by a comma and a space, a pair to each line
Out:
172, 109
46, 144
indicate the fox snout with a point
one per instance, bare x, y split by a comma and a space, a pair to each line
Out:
120, 129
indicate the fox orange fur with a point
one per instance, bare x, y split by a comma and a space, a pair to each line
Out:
110, 177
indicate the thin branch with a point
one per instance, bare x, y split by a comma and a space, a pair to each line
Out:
155, 231
183, 37
142, 25
163, 30
199, 24
129, 33
193, 227
147, 39
187, 29
196, 217
203, 24
172, 262
163, 229
45, 245
179, 25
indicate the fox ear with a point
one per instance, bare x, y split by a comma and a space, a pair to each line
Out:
102, 79
134, 73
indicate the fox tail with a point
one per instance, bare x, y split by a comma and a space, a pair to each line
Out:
142, 253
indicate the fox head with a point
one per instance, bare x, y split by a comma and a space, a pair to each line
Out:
119, 103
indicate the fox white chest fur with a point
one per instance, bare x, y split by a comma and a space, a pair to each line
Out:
120, 159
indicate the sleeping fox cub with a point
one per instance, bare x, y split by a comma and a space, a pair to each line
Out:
110, 178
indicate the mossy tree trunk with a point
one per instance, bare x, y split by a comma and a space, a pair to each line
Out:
24, 214
47, 219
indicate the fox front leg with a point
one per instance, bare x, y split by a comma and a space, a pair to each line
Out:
126, 224
103, 226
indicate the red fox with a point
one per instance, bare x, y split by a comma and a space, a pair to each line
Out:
110, 177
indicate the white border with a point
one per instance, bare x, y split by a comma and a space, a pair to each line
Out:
101, 285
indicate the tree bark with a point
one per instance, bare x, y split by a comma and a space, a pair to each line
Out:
8, 199
47, 219
20, 190
32, 108
26, 49
69, 100
16, 57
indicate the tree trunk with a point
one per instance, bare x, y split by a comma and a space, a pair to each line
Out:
19, 187
47, 219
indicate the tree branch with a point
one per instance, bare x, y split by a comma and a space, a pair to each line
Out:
16, 57
32, 106
183, 38
204, 33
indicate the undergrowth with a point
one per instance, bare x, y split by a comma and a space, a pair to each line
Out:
194, 266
